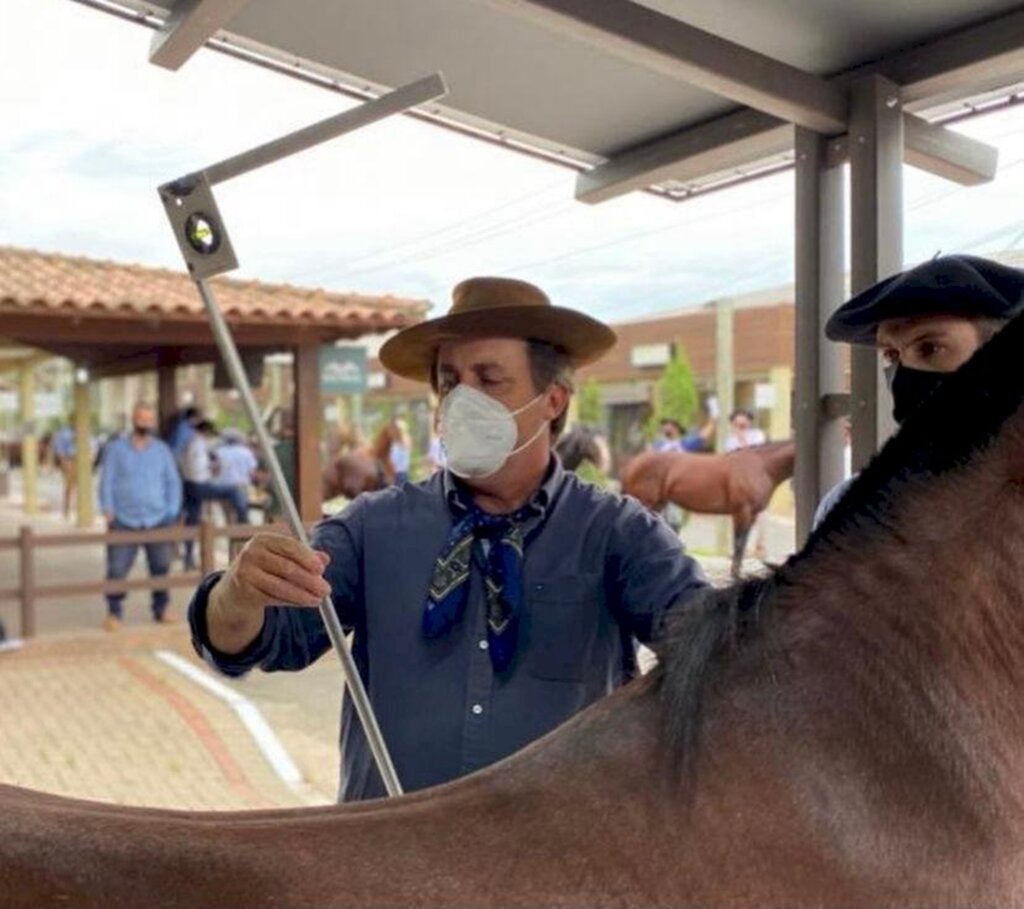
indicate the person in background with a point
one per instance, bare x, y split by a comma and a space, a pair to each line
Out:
927, 322
196, 466
64, 453
744, 433
400, 452
435, 459
487, 604
236, 467
140, 489
670, 436
183, 429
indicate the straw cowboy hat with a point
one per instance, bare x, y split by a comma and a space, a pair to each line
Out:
496, 308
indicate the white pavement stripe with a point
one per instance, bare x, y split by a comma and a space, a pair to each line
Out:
265, 738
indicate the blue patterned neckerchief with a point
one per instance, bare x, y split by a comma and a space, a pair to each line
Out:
503, 576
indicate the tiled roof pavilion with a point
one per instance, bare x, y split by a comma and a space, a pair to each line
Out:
115, 319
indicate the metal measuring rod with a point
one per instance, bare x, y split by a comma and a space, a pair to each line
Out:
203, 240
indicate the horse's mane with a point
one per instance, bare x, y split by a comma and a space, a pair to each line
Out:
727, 631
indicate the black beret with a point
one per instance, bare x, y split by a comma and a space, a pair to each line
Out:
957, 285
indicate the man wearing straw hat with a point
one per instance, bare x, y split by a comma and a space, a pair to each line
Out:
489, 603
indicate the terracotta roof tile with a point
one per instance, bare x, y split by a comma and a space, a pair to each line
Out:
33, 281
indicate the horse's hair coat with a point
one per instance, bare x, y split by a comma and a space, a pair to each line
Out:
724, 632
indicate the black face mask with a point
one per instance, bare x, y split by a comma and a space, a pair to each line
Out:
910, 387
142, 430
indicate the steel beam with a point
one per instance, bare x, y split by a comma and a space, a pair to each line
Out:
978, 59
737, 139
946, 153
719, 145
820, 268
970, 61
876, 240
668, 46
190, 25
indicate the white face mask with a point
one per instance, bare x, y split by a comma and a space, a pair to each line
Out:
479, 433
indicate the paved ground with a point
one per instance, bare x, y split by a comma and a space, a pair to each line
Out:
99, 715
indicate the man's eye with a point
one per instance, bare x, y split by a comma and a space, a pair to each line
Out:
929, 349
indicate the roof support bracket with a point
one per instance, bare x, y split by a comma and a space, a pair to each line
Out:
191, 24
694, 153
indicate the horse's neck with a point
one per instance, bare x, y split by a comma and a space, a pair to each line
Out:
778, 459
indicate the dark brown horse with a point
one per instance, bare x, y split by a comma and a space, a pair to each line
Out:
739, 483
845, 732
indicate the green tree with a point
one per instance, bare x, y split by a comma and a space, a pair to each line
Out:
675, 395
590, 409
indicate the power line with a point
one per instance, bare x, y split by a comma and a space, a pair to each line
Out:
431, 235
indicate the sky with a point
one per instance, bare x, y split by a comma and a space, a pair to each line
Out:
90, 129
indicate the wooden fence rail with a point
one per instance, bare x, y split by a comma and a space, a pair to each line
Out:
28, 541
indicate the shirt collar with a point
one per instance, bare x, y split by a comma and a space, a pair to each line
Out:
540, 500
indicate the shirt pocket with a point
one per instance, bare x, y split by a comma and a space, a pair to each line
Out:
561, 624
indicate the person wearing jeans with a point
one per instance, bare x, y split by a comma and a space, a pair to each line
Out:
140, 489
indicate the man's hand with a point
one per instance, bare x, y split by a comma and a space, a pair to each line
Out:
271, 569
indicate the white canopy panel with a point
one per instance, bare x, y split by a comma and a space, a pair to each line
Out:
590, 80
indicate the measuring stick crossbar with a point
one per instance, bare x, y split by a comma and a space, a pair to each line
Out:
395, 102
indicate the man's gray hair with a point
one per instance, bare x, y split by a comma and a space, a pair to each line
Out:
550, 365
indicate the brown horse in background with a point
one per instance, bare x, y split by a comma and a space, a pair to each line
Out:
739, 483
361, 468
846, 732
351, 473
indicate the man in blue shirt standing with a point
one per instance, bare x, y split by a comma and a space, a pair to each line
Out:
140, 488
489, 603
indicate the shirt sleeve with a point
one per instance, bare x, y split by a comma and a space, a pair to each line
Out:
172, 485
293, 637
107, 479
829, 500
649, 570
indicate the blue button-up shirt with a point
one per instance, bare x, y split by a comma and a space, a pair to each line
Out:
140, 487
599, 570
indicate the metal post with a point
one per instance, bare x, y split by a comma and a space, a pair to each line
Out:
820, 263
356, 689
192, 211
876, 239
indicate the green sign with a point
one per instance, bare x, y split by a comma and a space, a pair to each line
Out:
343, 370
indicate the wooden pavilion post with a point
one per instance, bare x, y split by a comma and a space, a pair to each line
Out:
29, 439
84, 505
308, 481
166, 389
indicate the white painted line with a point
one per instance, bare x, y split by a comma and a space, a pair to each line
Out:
265, 738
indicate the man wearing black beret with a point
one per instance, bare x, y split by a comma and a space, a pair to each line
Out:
927, 322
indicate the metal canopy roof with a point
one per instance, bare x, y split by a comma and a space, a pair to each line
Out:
674, 93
